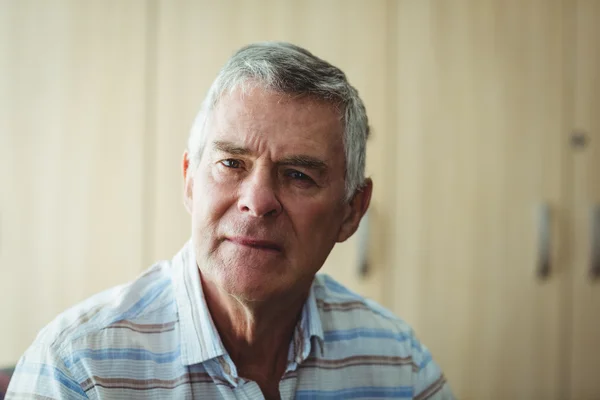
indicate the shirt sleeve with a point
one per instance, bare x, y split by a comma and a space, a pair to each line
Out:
429, 382
42, 374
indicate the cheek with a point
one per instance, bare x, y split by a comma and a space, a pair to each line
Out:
317, 223
211, 200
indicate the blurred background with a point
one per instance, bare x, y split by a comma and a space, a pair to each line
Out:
484, 231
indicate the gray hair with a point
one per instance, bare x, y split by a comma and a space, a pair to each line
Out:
289, 69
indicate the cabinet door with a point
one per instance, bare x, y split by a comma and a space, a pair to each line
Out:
585, 361
194, 41
479, 147
72, 101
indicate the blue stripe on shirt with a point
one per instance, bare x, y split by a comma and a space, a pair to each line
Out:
51, 372
123, 354
358, 392
349, 334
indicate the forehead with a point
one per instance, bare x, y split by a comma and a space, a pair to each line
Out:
267, 121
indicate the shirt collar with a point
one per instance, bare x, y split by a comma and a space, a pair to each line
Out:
199, 338
308, 327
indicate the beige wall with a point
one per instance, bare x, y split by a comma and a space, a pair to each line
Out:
73, 101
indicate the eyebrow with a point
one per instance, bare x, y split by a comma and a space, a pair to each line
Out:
299, 160
304, 161
228, 147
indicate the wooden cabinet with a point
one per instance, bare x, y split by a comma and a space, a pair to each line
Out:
480, 145
72, 120
584, 192
487, 95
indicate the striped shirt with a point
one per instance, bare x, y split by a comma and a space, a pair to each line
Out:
154, 338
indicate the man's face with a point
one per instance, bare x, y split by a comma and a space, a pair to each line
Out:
267, 198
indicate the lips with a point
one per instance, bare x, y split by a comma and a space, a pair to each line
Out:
255, 243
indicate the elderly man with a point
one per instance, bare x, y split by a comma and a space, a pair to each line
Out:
273, 178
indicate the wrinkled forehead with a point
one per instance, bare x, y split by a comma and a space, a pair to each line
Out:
267, 118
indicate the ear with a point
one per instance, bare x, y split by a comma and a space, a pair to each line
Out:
357, 207
188, 183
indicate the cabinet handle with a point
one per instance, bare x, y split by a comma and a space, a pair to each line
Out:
363, 245
595, 242
544, 245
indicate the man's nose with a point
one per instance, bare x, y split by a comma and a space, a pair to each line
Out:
258, 196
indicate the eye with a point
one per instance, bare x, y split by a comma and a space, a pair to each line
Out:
231, 163
298, 176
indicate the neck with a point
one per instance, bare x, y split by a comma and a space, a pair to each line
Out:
256, 334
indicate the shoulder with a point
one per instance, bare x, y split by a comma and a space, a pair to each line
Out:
361, 333
364, 325
109, 336
342, 303
141, 301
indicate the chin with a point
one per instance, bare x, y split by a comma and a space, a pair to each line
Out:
249, 284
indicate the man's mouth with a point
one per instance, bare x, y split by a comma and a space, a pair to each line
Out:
255, 243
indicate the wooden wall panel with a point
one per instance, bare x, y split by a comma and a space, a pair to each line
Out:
585, 185
72, 121
480, 145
